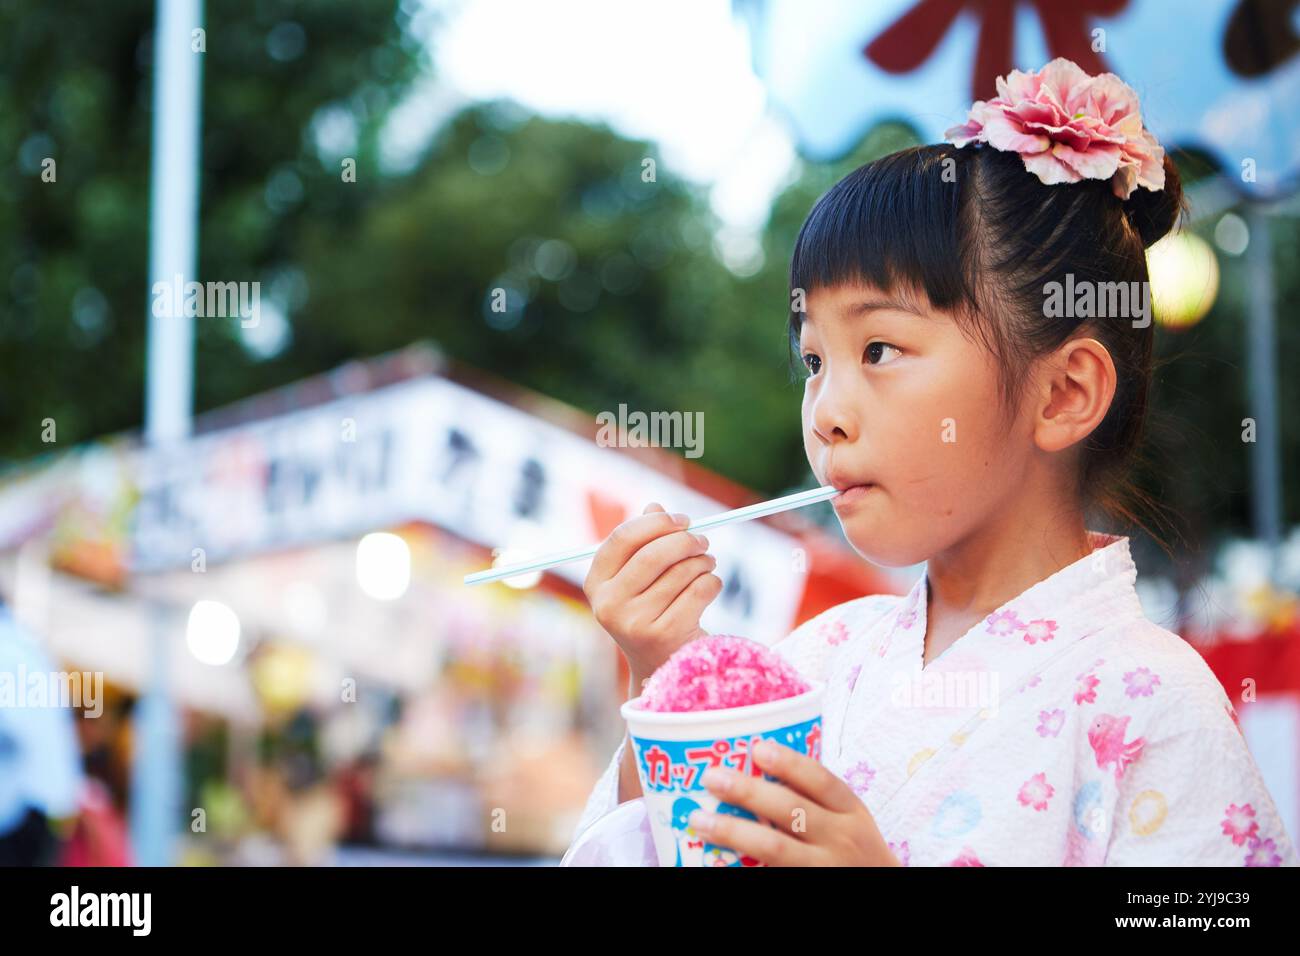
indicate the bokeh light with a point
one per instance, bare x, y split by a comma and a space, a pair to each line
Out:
212, 633
1184, 279
383, 566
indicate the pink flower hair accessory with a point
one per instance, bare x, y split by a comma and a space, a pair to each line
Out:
1068, 126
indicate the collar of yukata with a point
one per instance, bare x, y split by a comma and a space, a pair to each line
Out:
1097, 590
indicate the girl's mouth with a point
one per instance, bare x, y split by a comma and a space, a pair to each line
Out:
851, 497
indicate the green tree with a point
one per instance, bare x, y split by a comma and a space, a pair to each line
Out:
77, 89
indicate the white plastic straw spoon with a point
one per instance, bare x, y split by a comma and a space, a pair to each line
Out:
748, 513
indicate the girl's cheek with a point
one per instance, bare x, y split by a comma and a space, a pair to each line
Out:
937, 439
809, 439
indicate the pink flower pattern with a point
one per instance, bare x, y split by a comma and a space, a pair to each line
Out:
1032, 682
1263, 853
1003, 623
836, 632
1035, 792
967, 857
1141, 682
1039, 630
1050, 722
859, 777
1240, 823
1086, 692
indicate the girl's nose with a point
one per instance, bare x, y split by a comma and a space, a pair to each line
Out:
833, 416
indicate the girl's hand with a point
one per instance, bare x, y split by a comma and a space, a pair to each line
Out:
648, 585
818, 820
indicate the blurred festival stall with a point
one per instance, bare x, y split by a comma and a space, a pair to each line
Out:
339, 683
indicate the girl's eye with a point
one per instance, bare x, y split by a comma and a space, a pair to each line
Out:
882, 353
812, 362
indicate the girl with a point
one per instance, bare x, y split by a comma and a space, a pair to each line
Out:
1016, 707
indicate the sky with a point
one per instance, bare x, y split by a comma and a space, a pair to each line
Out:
676, 72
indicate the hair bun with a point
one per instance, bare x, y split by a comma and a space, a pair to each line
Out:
1153, 213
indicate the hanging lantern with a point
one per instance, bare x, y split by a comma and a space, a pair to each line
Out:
1184, 279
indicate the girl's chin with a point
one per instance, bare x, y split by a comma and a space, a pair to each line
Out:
888, 558
880, 546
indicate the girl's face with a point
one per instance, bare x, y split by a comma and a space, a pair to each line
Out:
905, 409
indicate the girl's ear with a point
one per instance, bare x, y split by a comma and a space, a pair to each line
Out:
1077, 385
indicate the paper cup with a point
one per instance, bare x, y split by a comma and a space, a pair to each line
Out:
674, 749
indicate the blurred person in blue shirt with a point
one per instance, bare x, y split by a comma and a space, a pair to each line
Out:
40, 766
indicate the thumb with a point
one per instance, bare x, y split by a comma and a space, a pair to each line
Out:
652, 507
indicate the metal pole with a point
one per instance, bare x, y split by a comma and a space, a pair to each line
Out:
1261, 368
169, 388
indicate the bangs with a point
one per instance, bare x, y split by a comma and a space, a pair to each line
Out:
895, 224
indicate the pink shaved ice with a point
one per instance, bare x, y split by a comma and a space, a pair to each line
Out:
720, 671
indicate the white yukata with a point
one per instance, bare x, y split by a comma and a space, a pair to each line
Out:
1065, 729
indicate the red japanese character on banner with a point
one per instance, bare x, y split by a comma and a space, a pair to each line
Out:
910, 40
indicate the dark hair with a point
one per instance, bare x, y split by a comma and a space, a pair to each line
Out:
981, 238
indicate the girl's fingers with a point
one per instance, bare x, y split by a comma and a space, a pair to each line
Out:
807, 776
683, 615
653, 559
627, 539
790, 811
751, 838
659, 595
